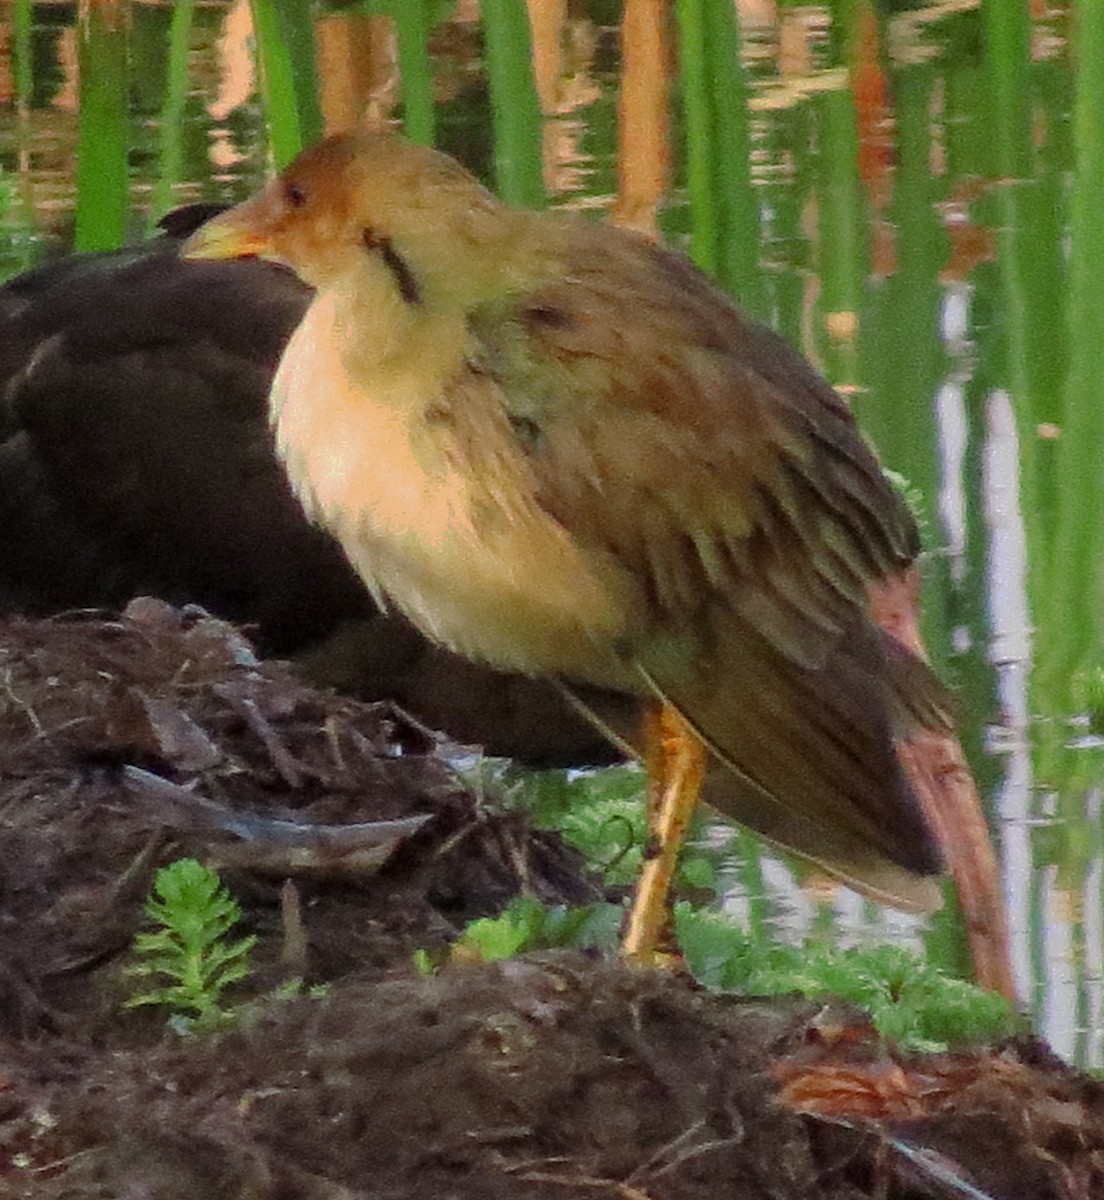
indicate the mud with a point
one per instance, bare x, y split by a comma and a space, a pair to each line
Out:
126, 743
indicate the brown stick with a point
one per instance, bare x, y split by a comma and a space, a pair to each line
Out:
643, 159
941, 778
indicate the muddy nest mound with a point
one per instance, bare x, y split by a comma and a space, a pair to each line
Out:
125, 744
128, 743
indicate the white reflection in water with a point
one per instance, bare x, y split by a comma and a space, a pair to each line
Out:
1057, 1016
1093, 908
1057, 935
1009, 650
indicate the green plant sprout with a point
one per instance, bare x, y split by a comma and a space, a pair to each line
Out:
527, 924
188, 961
912, 1002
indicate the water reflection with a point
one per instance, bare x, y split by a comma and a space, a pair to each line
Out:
917, 178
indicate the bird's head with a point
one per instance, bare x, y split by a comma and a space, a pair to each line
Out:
367, 213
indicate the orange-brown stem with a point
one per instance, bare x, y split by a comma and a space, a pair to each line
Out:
941, 778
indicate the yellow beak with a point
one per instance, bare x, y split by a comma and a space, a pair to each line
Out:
232, 234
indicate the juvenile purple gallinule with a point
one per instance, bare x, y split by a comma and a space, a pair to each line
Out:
558, 449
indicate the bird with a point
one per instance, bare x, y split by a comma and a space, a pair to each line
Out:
136, 458
557, 448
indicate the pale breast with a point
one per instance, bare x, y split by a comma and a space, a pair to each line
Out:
431, 498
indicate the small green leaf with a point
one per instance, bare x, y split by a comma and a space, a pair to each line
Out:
189, 954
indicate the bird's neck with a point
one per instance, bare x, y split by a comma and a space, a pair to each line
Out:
383, 333
494, 255
382, 336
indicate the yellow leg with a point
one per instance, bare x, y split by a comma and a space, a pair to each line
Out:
675, 761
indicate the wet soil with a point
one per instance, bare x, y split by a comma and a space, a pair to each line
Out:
126, 743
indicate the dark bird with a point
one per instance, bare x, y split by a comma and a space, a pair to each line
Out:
558, 449
135, 457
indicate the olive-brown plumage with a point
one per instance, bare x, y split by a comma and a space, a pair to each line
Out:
586, 463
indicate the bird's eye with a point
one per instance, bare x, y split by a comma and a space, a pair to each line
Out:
295, 195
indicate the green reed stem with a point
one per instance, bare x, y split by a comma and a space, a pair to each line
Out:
515, 107
413, 23
904, 360
1006, 26
1079, 543
737, 204
724, 208
22, 20
705, 221
1021, 210
171, 132
284, 35
102, 177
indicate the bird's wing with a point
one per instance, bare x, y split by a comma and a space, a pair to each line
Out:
697, 444
703, 453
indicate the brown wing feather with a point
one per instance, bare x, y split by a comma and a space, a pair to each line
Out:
696, 446
703, 453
